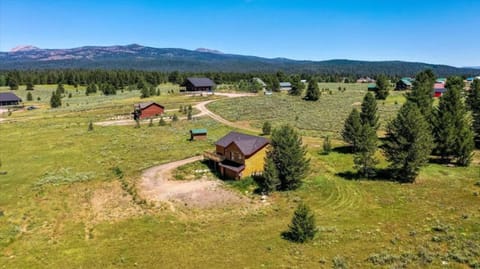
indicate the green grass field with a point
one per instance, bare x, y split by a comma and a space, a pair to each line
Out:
323, 117
62, 205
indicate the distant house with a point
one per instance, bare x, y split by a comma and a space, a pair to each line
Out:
147, 110
404, 84
439, 89
199, 84
470, 79
285, 86
198, 134
366, 80
304, 81
372, 87
441, 80
239, 155
9, 99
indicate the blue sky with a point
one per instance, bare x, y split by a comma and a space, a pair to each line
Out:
441, 31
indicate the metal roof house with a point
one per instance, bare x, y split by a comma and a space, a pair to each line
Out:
199, 84
9, 99
285, 86
404, 84
239, 155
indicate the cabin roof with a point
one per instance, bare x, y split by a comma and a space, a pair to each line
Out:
146, 104
9, 97
248, 144
201, 82
198, 131
285, 84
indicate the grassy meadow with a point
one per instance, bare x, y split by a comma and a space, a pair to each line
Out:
62, 204
326, 116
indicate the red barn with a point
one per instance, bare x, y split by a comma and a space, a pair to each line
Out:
147, 110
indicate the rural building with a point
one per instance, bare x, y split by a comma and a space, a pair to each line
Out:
404, 84
199, 84
372, 87
198, 134
261, 82
147, 110
441, 80
365, 80
239, 155
285, 86
439, 89
9, 99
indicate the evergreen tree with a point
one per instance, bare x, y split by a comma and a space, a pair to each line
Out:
150, 124
269, 180
162, 122
327, 145
303, 227
383, 87
421, 93
266, 128
29, 86
55, 100
352, 129
368, 114
144, 93
364, 159
60, 89
313, 92
289, 156
29, 96
174, 118
409, 142
452, 131
297, 87
473, 102
13, 84
90, 126
189, 115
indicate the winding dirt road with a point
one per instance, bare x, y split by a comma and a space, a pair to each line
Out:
155, 185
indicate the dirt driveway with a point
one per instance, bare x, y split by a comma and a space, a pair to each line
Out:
155, 185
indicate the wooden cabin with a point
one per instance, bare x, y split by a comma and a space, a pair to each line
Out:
198, 134
239, 155
404, 84
147, 110
199, 84
9, 99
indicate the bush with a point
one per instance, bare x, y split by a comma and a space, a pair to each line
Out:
266, 128
327, 145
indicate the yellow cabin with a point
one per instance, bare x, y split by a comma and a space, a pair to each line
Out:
239, 155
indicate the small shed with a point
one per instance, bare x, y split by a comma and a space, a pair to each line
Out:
9, 99
147, 110
439, 90
372, 87
198, 134
285, 86
199, 84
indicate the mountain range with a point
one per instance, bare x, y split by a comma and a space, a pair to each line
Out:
140, 57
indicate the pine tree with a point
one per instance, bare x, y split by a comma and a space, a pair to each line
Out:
90, 126
269, 180
174, 118
451, 127
289, 156
55, 100
29, 96
150, 124
421, 93
383, 87
409, 142
297, 88
368, 114
144, 93
327, 145
473, 102
303, 227
29, 86
189, 115
162, 122
364, 159
60, 89
313, 92
352, 128
266, 128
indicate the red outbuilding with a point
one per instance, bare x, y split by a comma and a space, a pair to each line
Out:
147, 110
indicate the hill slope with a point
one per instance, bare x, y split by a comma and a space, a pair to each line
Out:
202, 60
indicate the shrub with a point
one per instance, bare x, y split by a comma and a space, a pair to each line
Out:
327, 145
302, 228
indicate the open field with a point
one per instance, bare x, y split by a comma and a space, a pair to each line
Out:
323, 117
69, 199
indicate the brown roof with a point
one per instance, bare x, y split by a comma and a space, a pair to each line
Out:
146, 104
201, 82
248, 144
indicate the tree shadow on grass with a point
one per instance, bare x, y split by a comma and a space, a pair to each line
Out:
343, 149
381, 174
